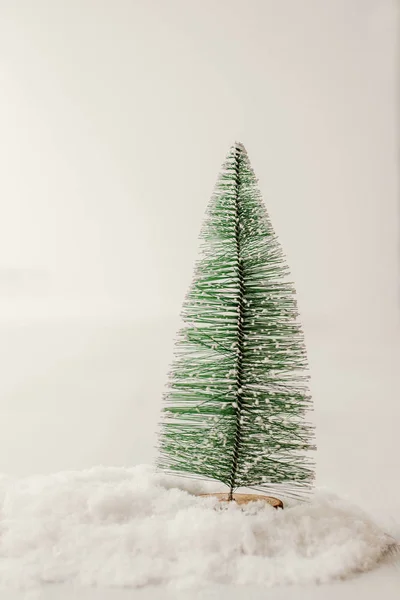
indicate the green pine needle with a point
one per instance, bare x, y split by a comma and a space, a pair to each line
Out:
237, 394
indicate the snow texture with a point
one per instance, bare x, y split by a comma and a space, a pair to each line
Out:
135, 527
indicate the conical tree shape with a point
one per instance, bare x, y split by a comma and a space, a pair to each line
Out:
237, 393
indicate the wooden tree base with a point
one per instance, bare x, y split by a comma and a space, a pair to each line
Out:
246, 498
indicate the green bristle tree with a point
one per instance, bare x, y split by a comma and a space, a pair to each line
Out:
237, 399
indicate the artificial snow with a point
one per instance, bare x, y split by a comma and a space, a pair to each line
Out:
135, 527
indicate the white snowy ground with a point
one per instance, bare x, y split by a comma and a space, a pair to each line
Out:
76, 395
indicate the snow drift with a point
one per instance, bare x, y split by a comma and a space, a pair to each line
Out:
134, 527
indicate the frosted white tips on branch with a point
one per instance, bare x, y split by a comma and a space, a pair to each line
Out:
239, 146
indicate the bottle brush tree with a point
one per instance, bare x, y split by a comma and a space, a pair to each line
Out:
237, 398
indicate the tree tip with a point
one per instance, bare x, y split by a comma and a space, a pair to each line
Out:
239, 146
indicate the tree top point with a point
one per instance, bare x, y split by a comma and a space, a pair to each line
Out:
239, 146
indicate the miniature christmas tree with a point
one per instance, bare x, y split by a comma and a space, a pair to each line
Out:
237, 398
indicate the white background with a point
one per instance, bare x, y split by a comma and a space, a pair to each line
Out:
115, 118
